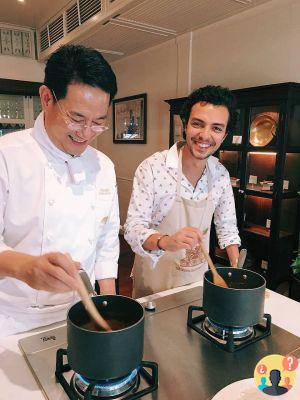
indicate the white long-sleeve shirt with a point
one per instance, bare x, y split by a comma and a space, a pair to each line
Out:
154, 189
51, 201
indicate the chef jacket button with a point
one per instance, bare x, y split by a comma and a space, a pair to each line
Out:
51, 202
93, 206
90, 240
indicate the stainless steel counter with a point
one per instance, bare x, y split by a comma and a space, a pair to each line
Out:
190, 367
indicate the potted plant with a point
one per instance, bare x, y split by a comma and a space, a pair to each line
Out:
296, 265
294, 290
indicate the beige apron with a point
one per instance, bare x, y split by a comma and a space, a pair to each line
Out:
169, 271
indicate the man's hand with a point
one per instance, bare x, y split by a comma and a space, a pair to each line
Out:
186, 238
53, 272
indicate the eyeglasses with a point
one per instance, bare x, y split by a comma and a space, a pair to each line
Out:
77, 126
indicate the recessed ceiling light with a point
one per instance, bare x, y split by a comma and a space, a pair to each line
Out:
21, 1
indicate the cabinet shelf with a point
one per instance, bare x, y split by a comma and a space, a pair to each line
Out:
11, 121
260, 193
265, 149
263, 231
233, 147
293, 149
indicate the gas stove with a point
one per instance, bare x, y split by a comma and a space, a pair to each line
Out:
227, 337
190, 366
123, 388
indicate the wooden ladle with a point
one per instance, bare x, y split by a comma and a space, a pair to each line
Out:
88, 303
217, 279
90, 306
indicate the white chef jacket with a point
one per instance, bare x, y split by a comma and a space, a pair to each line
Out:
153, 195
51, 201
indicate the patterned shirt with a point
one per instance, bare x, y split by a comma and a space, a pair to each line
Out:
154, 191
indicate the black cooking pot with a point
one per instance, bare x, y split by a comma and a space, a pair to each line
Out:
106, 355
239, 305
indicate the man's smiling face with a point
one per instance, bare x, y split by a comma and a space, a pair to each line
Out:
85, 106
206, 129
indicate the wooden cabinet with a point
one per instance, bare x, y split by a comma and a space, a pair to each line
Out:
263, 160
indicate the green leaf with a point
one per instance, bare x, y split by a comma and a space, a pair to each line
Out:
296, 263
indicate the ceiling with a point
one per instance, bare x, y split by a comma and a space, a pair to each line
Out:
30, 13
139, 24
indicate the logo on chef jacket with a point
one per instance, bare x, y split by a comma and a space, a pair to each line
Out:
275, 375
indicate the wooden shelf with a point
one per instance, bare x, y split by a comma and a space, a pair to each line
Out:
263, 231
12, 121
258, 230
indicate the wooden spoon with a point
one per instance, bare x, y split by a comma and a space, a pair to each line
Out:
217, 279
88, 303
90, 306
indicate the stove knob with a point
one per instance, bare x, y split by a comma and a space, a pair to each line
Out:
150, 306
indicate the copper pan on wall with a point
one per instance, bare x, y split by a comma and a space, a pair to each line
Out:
263, 128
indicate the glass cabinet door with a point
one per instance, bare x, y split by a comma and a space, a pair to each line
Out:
177, 128
235, 138
291, 173
232, 162
37, 106
289, 223
257, 215
260, 171
12, 113
294, 127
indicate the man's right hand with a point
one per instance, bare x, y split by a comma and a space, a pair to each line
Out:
53, 272
186, 238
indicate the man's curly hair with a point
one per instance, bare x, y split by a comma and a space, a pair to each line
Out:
216, 95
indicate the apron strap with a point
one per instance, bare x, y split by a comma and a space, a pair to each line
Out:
209, 197
179, 175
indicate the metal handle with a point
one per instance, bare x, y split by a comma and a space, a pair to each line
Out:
242, 258
87, 283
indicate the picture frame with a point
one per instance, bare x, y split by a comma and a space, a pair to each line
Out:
130, 119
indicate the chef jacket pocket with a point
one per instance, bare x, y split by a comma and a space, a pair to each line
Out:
54, 299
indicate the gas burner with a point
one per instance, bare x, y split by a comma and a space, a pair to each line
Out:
125, 388
228, 338
110, 388
222, 332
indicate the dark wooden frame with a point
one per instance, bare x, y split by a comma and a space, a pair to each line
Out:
24, 88
142, 96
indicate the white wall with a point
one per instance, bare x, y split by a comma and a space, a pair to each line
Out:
22, 69
257, 47
155, 72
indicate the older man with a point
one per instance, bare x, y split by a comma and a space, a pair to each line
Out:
58, 197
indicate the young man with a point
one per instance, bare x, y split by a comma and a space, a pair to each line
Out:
175, 195
58, 197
